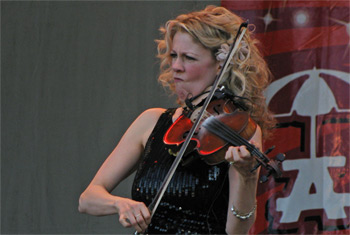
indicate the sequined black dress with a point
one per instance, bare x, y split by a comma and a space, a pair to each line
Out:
196, 199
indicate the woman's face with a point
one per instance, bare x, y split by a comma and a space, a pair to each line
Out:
194, 68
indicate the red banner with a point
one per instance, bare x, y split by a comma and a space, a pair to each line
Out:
306, 44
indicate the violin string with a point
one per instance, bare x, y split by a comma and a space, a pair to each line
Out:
251, 148
230, 135
234, 135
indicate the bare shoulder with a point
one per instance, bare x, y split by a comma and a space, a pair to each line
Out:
152, 113
150, 116
147, 121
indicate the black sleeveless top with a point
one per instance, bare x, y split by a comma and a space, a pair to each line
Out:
196, 199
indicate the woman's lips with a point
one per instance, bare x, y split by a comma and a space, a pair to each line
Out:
177, 79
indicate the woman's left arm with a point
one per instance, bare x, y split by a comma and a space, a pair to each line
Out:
243, 187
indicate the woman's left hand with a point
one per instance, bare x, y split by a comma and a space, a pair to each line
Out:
241, 159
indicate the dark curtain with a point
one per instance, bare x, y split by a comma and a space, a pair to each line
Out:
74, 75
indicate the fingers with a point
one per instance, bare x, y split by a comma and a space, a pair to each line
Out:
240, 158
236, 154
242, 161
135, 221
137, 217
124, 221
146, 214
243, 152
143, 218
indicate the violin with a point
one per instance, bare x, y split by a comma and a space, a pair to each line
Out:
226, 122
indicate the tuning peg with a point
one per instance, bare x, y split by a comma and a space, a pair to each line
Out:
269, 149
255, 167
280, 157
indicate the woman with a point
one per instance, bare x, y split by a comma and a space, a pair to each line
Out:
201, 198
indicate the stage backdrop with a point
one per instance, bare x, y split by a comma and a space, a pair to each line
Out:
306, 44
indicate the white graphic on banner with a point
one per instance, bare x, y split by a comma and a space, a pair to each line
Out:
313, 98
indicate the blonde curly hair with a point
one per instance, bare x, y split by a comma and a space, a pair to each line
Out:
248, 74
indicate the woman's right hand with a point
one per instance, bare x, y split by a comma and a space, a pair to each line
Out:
133, 214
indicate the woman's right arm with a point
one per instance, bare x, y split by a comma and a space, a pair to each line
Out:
97, 200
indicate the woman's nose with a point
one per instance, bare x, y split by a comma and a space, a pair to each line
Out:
177, 65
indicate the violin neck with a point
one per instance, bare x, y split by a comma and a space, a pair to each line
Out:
226, 133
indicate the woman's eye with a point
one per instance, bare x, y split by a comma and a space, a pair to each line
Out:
190, 58
173, 55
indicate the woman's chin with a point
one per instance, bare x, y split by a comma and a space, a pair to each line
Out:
181, 95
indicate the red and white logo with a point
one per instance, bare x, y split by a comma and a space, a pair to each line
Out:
306, 44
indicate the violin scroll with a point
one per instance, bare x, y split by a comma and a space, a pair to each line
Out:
273, 168
272, 165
